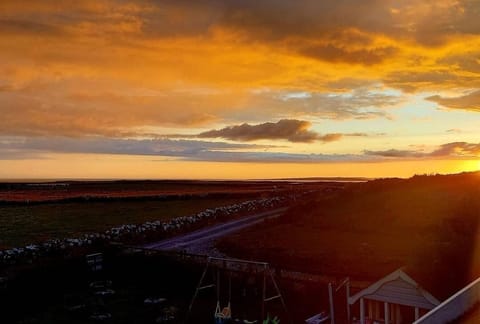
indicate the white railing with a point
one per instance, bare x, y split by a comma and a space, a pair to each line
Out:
455, 306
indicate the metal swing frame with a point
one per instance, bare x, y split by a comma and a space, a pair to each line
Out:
239, 264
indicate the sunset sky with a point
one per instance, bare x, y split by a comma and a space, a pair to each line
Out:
238, 89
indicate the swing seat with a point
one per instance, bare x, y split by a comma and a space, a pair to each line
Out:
319, 318
225, 313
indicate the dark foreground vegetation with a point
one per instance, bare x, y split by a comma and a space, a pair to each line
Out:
148, 288
428, 224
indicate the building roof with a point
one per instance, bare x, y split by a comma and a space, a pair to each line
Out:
461, 307
397, 288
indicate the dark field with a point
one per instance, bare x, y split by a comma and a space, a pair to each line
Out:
430, 224
64, 190
23, 224
31, 213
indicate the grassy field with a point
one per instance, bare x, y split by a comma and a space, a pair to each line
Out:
23, 224
64, 190
428, 224
33, 212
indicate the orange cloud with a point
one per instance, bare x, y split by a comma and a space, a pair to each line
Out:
469, 101
112, 68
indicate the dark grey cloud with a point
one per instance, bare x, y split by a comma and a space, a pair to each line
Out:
469, 101
13, 154
287, 129
393, 153
276, 157
448, 150
103, 145
457, 149
332, 137
292, 130
192, 150
16, 148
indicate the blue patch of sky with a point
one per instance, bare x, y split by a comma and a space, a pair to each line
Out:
415, 117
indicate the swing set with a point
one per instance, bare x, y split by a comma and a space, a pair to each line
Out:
224, 315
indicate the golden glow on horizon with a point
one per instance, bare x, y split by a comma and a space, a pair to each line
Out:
93, 166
